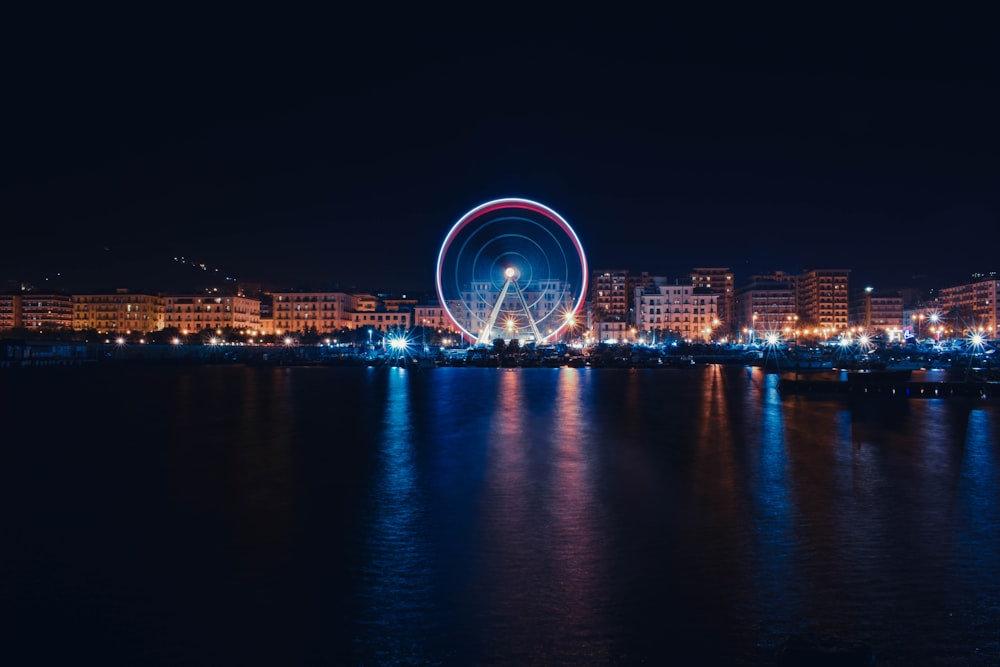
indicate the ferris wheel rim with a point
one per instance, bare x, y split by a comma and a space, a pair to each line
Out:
512, 203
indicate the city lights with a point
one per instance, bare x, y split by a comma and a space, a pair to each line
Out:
400, 347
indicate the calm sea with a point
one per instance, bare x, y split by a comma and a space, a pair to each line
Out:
473, 516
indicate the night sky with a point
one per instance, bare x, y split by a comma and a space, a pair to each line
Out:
336, 149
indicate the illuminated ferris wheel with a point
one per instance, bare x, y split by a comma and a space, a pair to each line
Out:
512, 269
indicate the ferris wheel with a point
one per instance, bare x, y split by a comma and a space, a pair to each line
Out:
513, 269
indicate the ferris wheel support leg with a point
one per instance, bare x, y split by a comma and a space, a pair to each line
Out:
527, 313
487, 332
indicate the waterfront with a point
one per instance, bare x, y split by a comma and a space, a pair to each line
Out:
482, 516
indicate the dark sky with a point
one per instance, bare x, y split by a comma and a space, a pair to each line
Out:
336, 148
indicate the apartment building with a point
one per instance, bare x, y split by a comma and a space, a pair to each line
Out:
972, 306
610, 296
823, 299
766, 304
119, 312
45, 312
302, 312
194, 313
676, 311
720, 281
877, 311
10, 311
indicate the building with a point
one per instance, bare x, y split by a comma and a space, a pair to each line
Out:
435, 326
368, 311
877, 311
719, 281
767, 304
614, 332
971, 306
120, 312
614, 318
194, 313
46, 312
433, 316
309, 312
322, 313
10, 311
381, 320
665, 312
398, 303
609, 297
823, 300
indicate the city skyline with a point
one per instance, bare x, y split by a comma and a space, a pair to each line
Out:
337, 150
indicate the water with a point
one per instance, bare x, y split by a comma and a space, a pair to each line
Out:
465, 516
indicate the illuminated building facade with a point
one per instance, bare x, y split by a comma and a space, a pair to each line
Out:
194, 313
972, 306
766, 304
45, 312
877, 311
118, 313
681, 311
298, 313
431, 316
303, 312
368, 311
609, 295
611, 292
381, 320
718, 281
10, 311
823, 299
397, 304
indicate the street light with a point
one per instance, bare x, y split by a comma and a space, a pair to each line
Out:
935, 320
570, 318
918, 318
868, 308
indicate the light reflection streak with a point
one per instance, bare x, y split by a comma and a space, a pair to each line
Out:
579, 550
715, 465
509, 542
774, 512
541, 555
721, 515
977, 518
396, 584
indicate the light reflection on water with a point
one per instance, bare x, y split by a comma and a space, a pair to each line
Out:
395, 581
777, 572
492, 517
